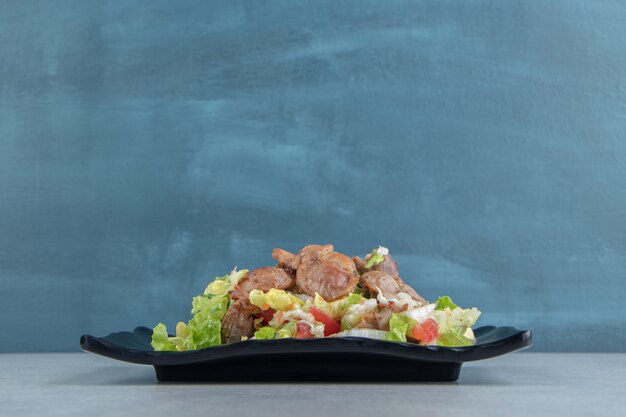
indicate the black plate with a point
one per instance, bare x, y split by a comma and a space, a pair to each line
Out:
325, 359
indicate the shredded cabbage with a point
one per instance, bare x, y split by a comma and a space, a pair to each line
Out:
204, 331
204, 328
287, 331
453, 340
279, 300
454, 323
443, 302
316, 329
265, 333
223, 285
399, 326
160, 339
336, 308
216, 307
369, 333
378, 255
355, 313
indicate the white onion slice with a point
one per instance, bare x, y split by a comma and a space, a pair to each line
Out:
420, 313
369, 333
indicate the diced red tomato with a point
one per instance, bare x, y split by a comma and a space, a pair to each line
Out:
426, 332
330, 325
303, 330
266, 315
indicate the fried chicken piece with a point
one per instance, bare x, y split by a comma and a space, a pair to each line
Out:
238, 321
388, 265
384, 275
319, 269
372, 281
389, 285
359, 263
263, 279
286, 259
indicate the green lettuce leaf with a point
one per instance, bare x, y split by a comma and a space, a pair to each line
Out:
375, 259
182, 331
223, 278
399, 326
204, 331
462, 318
287, 331
216, 307
332, 308
336, 308
160, 339
277, 299
265, 333
454, 323
223, 285
218, 288
353, 298
453, 340
444, 302
204, 328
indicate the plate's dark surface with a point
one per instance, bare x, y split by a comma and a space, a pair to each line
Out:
328, 359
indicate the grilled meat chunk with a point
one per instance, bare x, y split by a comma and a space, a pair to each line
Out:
263, 279
286, 259
238, 321
389, 285
320, 269
388, 265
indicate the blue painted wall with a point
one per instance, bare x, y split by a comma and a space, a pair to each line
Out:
147, 146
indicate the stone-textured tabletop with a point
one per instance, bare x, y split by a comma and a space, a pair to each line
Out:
522, 384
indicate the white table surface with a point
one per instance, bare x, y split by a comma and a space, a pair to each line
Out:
522, 384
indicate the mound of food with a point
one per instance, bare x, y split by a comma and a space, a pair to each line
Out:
318, 292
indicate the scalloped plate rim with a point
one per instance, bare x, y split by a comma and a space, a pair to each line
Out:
516, 340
